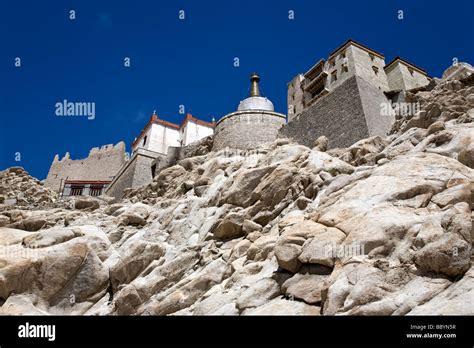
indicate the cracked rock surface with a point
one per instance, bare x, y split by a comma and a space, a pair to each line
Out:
383, 227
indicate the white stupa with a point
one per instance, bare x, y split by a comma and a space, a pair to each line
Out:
253, 124
255, 101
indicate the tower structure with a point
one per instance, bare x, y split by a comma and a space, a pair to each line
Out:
254, 123
348, 96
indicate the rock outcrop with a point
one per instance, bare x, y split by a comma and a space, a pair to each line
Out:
383, 227
20, 189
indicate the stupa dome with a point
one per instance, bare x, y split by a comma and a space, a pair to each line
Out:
255, 101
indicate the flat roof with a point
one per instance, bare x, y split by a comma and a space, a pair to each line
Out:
358, 44
401, 60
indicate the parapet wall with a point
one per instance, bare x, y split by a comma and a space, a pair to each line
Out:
101, 165
247, 129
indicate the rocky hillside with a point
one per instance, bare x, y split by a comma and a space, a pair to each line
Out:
382, 227
17, 187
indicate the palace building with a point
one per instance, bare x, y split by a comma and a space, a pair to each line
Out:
341, 97
349, 96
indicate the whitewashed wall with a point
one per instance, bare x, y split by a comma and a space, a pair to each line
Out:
194, 132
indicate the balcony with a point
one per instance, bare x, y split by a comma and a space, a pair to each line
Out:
316, 70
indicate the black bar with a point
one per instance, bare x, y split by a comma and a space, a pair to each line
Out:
213, 330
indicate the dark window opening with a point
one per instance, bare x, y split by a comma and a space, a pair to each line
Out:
76, 190
95, 191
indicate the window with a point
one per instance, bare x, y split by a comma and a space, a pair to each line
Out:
411, 71
334, 76
95, 191
76, 190
344, 68
332, 62
144, 140
342, 55
375, 69
372, 57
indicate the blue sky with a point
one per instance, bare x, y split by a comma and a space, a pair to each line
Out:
186, 62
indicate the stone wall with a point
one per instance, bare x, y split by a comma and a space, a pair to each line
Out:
146, 164
341, 66
400, 77
395, 77
415, 80
364, 67
247, 129
374, 102
163, 162
135, 173
339, 61
198, 148
349, 113
101, 165
295, 96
